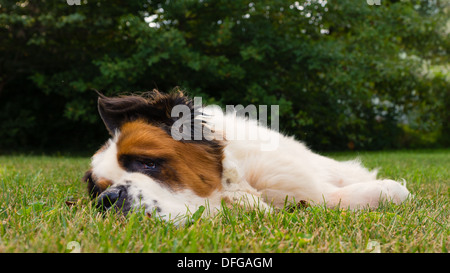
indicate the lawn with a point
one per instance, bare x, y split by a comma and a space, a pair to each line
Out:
44, 207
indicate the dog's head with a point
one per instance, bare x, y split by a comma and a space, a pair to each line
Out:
143, 166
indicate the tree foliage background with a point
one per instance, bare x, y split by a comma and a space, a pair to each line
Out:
346, 74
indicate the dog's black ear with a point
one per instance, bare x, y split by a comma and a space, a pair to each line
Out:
116, 111
154, 107
93, 190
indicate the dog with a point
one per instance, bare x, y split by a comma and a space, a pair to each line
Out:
146, 165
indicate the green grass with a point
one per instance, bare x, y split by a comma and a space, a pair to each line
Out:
35, 215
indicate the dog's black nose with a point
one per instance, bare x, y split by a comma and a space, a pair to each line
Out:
114, 196
108, 199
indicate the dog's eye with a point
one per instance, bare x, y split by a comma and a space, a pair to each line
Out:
148, 165
145, 165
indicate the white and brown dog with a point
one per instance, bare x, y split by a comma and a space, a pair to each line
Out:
144, 166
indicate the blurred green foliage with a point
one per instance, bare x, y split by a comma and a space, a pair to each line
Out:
346, 74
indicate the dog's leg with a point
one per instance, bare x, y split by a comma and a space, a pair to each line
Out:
236, 189
367, 194
345, 173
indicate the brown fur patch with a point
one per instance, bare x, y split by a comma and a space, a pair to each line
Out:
103, 183
193, 165
95, 185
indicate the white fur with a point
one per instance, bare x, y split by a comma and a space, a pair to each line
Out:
104, 163
256, 176
294, 171
159, 200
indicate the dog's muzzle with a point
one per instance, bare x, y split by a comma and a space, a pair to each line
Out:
114, 198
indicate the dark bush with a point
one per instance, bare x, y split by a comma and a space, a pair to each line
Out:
346, 74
